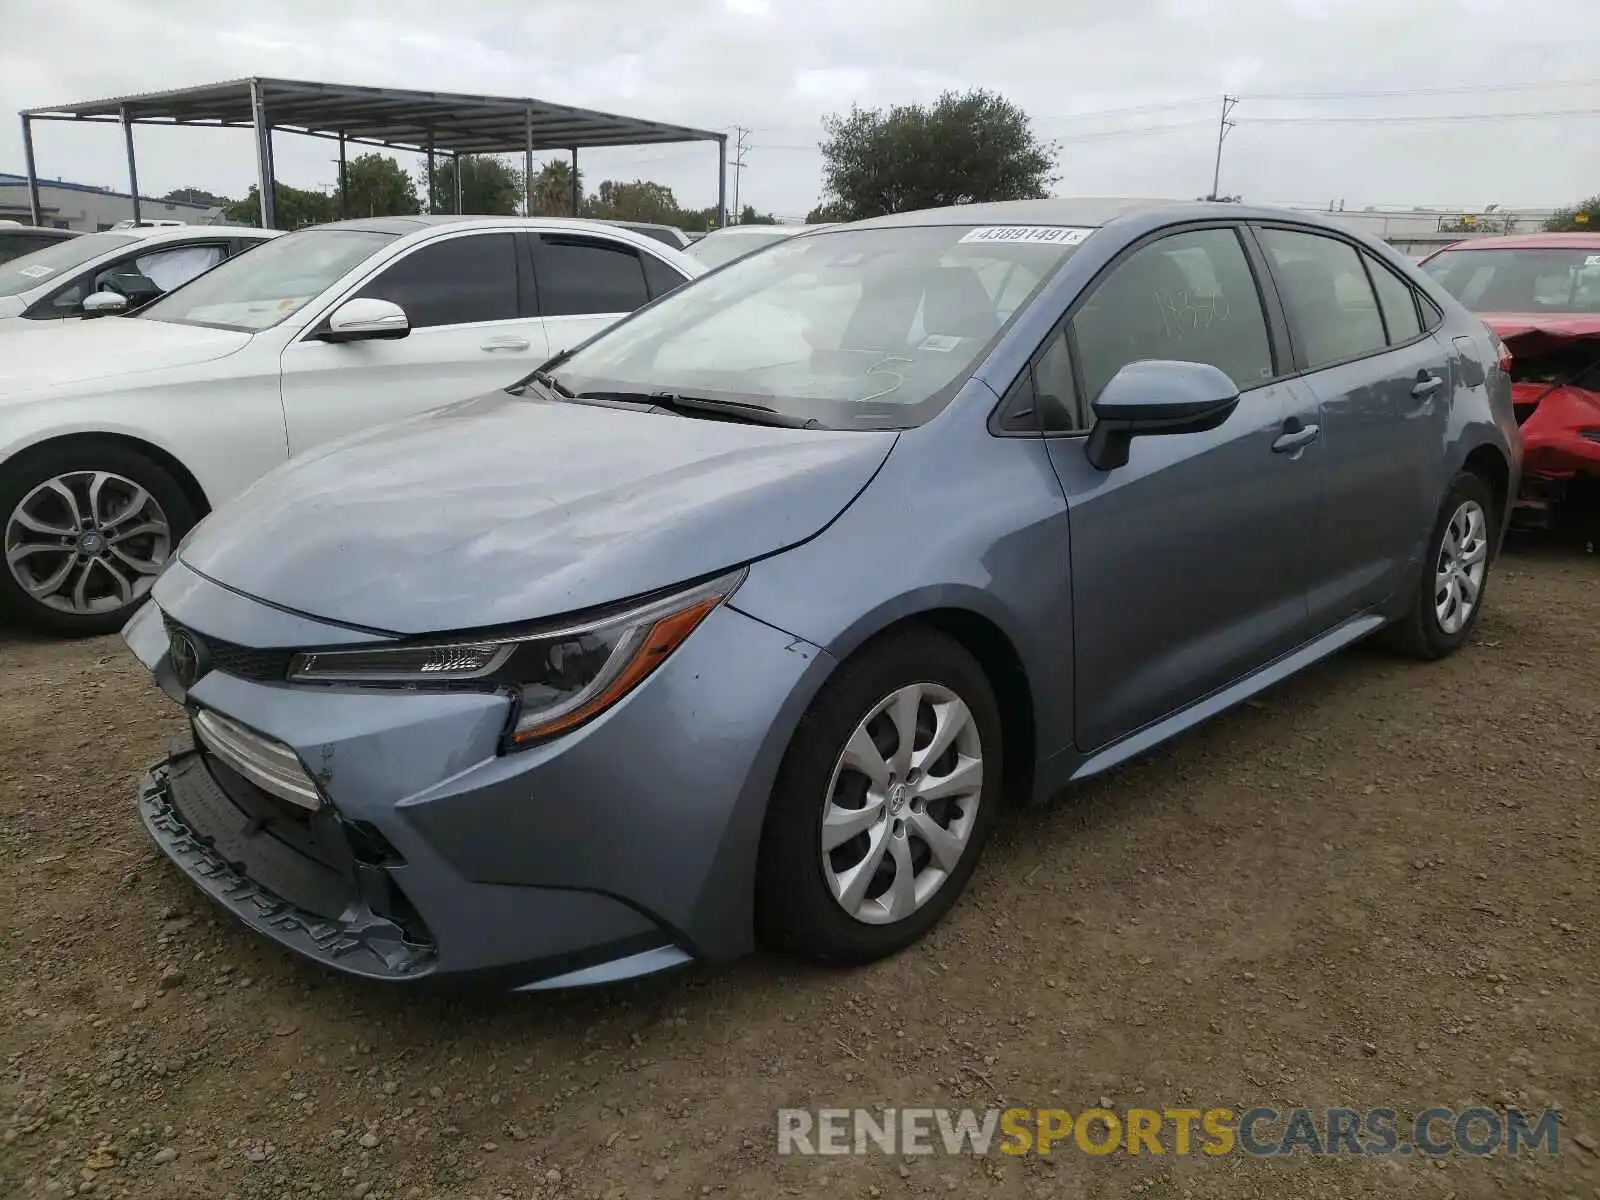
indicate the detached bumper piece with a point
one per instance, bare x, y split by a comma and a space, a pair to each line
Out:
305, 879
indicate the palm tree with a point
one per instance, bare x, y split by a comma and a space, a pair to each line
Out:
552, 189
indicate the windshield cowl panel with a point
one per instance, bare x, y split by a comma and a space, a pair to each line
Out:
873, 328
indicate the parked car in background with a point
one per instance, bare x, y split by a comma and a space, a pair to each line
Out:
735, 241
17, 240
1541, 294
157, 223
110, 272
679, 641
667, 235
117, 435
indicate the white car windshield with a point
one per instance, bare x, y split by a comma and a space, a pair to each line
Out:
715, 249
859, 328
271, 283
34, 270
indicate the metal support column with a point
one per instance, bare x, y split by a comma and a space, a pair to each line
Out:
527, 163
431, 188
457, 159
722, 181
133, 170
344, 183
33, 174
577, 187
265, 180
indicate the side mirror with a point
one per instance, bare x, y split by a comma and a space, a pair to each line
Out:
101, 304
365, 320
1157, 397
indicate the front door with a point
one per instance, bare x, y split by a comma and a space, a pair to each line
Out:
469, 336
1188, 563
1383, 387
589, 282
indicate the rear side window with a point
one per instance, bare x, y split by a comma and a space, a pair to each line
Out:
1190, 297
1327, 295
660, 278
581, 276
459, 281
1397, 301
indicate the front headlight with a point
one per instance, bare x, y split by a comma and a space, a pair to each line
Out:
561, 676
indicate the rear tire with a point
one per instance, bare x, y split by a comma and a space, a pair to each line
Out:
1450, 591
85, 527
903, 844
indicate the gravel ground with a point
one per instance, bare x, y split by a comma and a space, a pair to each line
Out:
1375, 886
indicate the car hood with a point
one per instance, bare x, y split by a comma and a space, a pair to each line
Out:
11, 306
503, 510
1534, 333
53, 354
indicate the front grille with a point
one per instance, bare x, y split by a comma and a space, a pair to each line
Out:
242, 662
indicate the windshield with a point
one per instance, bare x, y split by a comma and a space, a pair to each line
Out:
267, 286
1543, 280
713, 251
33, 270
859, 329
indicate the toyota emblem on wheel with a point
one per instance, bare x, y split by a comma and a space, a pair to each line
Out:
188, 657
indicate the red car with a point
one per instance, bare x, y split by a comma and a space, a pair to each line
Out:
1540, 293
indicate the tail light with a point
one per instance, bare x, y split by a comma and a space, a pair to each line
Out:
1504, 353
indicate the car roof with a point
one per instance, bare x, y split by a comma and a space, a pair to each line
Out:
39, 231
1091, 212
1530, 241
423, 224
168, 233
735, 230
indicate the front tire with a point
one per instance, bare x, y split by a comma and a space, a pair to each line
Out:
1455, 573
883, 803
85, 527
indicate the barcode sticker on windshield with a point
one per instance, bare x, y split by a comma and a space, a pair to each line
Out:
1059, 235
942, 342
1592, 261
36, 272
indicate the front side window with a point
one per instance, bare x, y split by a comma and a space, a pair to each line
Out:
585, 276
1536, 280
261, 289
851, 328
1327, 295
172, 268
1190, 297
49, 264
459, 281
660, 277
1398, 302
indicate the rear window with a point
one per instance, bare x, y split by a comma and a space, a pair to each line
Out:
44, 266
1543, 280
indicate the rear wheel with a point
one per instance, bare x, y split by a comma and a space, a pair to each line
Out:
86, 528
1455, 572
885, 799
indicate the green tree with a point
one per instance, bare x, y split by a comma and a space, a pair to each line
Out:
964, 148
489, 185
697, 220
377, 186
552, 189
192, 195
640, 200
1580, 218
749, 216
292, 207
827, 214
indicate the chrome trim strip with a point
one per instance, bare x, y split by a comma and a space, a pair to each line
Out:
646, 962
271, 766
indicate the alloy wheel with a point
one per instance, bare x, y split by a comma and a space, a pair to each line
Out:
1458, 574
902, 803
87, 542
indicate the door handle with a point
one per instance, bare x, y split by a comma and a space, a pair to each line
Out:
1426, 385
1296, 437
505, 343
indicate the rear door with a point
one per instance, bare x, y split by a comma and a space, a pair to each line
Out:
1382, 385
1188, 563
472, 331
587, 282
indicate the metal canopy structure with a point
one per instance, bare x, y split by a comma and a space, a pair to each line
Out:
421, 122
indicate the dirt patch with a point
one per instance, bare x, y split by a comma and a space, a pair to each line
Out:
1375, 886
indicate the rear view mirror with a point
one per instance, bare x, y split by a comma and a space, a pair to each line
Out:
1157, 397
367, 319
101, 304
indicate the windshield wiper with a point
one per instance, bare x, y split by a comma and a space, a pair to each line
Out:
545, 380
688, 406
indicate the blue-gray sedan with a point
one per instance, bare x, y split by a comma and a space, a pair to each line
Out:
748, 617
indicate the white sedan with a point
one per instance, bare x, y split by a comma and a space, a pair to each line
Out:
118, 434
113, 271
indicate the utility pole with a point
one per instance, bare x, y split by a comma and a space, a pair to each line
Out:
1229, 103
740, 133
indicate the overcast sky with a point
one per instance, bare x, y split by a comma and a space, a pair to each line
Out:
777, 66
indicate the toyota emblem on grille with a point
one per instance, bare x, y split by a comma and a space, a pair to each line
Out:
189, 658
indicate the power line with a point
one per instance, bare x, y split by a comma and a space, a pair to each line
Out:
1229, 103
1452, 118
1461, 90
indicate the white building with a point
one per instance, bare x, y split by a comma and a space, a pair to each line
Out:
86, 208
